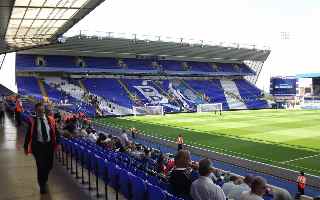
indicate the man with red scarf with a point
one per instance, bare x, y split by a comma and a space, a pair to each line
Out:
41, 141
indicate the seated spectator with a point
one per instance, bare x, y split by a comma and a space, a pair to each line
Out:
282, 195
89, 129
92, 137
161, 166
146, 158
227, 187
70, 128
101, 139
180, 176
258, 189
83, 132
203, 188
242, 187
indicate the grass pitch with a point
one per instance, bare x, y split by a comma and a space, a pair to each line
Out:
286, 138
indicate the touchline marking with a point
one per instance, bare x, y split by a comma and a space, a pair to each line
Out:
302, 158
243, 154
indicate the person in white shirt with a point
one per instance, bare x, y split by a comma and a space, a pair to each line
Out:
203, 188
238, 189
258, 189
92, 137
227, 187
124, 138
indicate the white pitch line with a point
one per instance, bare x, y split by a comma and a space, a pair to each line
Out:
302, 158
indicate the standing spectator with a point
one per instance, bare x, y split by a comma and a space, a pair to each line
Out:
133, 133
124, 138
41, 141
2, 110
258, 189
180, 142
301, 181
180, 176
18, 110
227, 187
203, 188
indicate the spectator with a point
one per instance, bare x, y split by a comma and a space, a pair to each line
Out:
238, 189
89, 129
83, 132
258, 189
146, 158
124, 139
282, 195
180, 142
180, 176
301, 182
70, 128
18, 110
227, 187
160, 165
101, 139
133, 133
41, 141
92, 137
2, 110
203, 188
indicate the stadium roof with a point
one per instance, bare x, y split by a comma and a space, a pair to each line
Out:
309, 75
5, 91
30, 23
117, 46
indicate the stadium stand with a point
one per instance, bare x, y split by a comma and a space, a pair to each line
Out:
116, 85
125, 173
124, 93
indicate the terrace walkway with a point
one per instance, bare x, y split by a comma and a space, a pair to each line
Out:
18, 173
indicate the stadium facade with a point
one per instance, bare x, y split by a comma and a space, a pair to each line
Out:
110, 76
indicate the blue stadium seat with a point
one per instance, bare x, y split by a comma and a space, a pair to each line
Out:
138, 187
124, 183
155, 193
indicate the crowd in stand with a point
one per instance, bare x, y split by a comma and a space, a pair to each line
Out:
187, 179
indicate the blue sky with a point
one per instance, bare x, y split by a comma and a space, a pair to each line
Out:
257, 22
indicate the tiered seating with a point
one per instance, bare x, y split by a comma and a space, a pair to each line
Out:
23, 60
54, 94
135, 82
127, 65
226, 67
200, 66
232, 94
109, 89
138, 64
170, 65
60, 61
250, 94
106, 63
118, 170
28, 86
212, 89
243, 68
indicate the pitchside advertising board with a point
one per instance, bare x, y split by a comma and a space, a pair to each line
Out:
283, 87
